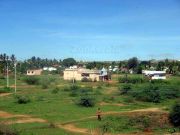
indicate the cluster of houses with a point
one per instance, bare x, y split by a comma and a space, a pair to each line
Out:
80, 73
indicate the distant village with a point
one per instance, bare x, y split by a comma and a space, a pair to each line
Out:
71, 69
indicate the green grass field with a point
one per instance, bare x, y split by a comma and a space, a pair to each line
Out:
60, 108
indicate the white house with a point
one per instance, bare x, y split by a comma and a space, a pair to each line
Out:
155, 75
34, 72
49, 69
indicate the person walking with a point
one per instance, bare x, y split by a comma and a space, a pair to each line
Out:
99, 114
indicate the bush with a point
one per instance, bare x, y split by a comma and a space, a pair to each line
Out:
31, 80
23, 99
66, 89
55, 90
99, 87
109, 99
40, 98
132, 80
6, 90
175, 115
74, 87
159, 82
170, 91
86, 80
143, 121
128, 100
2, 77
5, 130
86, 101
46, 82
148, 94
74, 90
125, 89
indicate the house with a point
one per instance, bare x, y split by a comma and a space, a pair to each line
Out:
49, 69
155, 75
81, 73
34, 72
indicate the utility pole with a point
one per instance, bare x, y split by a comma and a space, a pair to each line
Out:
15, 78
73, 76
7, 73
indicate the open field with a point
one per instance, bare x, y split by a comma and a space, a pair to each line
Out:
52, 112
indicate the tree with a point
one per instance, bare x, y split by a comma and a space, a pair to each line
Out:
69, 62
132, 63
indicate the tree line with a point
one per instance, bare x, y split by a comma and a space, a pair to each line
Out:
134, 64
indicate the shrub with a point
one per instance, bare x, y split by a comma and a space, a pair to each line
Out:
175, 115
40, 98
5, 130
129, 100
159, 82
132, 80
125, 89
99, 87
66, 89
46, 82
74, 90
148, 94
86, 80
55, 90
86, 101
109, 99
74, 87
23, 99
5, 90
31, 80
143, 122
170, 92
2, 77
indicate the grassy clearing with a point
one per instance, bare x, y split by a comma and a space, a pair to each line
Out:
57, 104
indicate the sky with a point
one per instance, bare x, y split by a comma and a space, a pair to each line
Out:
89, 30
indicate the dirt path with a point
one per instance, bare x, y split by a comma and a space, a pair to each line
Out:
73, 128
112, 104
9, 115
20, 118
26, 120
5, 94
115, 113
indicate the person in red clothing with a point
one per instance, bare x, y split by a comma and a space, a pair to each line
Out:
99, 114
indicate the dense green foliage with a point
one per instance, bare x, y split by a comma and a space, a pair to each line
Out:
86, 101
23, 99
125, 89
175, 115
133, 80
6, 90
31, 80
69, 62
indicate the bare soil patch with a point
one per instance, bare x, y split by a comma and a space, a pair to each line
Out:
5, 94
73, 128
113, 104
